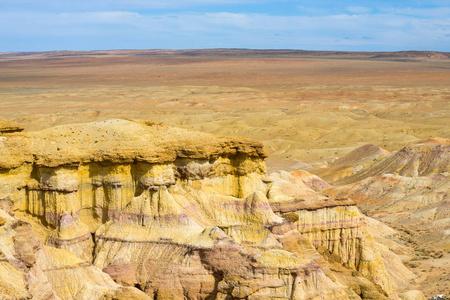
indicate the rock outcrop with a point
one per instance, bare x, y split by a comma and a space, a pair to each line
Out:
343, 168
339, 232
30, 270
424, 159
183, 215
77, 177
7, 126
407, 188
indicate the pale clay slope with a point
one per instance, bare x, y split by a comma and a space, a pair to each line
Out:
407, 189
198, 219
30, 270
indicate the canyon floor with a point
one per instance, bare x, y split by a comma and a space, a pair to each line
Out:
307, 108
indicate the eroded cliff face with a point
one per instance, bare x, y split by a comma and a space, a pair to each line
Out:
181, 214
408, 188
30, 270
7, 126
337, 229
420, 160
92, 172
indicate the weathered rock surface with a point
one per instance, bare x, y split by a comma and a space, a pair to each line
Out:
338, 230
412, 295
117, 142
411, 189
180, 215
352, 163
7, 126
77, 177
437, 140
30, 270
424, 159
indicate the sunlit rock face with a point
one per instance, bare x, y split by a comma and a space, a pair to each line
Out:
77, 177
186, 215
425, 159
31, 270
7, 126
407, 188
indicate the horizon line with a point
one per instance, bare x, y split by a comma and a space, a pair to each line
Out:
229, 49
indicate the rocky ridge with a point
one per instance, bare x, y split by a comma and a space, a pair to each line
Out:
409, 187
408, 190
182, 215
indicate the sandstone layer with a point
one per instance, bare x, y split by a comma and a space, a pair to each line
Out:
186, 215
409, 187
30, 270
7, 126
409, 190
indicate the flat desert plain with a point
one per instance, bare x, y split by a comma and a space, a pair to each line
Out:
308, 108
305, 107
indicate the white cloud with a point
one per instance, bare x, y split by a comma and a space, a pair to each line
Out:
100, 17
359, 9
127, 29
443, 12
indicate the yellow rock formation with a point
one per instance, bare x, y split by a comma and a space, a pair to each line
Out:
7, 126
180, 215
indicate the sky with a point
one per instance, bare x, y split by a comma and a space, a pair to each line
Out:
342, 25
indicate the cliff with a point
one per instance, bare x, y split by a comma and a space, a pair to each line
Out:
30, 270
186, 215
409, 190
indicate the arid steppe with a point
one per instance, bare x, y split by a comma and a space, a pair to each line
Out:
307, 108
303, 107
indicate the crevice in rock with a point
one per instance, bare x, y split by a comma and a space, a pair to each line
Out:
94, 240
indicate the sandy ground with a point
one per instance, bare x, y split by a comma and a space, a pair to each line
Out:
433, 275
306, 110
303, 109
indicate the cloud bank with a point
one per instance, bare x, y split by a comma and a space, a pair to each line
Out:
94, 25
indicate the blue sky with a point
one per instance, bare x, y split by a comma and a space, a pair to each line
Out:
42, 25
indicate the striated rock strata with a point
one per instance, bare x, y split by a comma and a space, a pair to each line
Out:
407, 188
424, 159
7, 126
187, 215
30, 270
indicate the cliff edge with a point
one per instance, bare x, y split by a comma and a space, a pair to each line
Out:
179, 215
